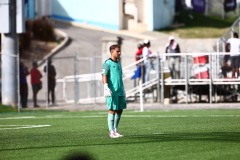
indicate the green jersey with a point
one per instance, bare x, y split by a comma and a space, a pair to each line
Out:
113, 71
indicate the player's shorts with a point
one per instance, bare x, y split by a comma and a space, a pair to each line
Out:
235, 62
116, 103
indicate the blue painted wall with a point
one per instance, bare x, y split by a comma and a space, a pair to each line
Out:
29, 9
102, 13
161, 13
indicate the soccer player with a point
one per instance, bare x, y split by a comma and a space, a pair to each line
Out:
114, 90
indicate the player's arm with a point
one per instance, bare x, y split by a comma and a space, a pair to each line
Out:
107, 91
104, 79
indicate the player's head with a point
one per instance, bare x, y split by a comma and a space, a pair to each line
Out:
235, 35
115, 51
140, 45
171, 39
49, 61
34, 64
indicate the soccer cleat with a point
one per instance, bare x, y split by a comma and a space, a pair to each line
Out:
118, 134
113, 135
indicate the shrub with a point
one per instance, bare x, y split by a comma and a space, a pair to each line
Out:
24, 41
43, 30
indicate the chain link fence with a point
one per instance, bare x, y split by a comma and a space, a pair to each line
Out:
79, 81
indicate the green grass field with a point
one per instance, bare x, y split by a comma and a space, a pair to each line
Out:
174, 134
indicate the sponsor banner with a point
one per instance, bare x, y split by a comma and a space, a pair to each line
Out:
199, 5
229, 5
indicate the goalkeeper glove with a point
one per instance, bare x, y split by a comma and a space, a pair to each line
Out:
107, 91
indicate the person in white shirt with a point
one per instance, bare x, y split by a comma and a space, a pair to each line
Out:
234, 44
147, 63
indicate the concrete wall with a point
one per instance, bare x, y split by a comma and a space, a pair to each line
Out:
102, 13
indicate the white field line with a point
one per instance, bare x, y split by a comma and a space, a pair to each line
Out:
126, 116
176, 116
25, 117
21, 126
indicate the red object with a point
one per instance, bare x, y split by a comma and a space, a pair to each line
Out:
201, 59
138, 54
201, 72
35, 76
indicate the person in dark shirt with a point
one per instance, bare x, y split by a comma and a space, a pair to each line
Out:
49, 69
23, 70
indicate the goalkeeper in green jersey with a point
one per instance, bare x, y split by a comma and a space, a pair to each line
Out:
114, 90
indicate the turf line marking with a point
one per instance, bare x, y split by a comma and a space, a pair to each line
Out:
158, 133
22, 126
127, 116
176, 116
25, 117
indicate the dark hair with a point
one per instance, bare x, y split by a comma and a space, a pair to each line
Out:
34, 64
235, 34
112, 47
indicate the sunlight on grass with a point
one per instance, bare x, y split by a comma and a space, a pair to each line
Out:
199, 32
174, 134
195, 25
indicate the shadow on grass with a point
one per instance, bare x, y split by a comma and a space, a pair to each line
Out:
150, 138
209, 136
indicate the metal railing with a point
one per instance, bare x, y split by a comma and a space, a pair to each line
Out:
190, 80
79, 80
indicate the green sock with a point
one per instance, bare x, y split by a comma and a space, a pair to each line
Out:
116, 121
110, 121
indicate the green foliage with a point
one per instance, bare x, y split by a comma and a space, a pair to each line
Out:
40, 29
193, 19
43, 30
180, 134
24, 41
189, 24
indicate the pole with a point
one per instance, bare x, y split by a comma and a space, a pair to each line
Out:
46, 90
140, 87
9, 60
18, 84
211, 82
162, 81
141, 95
76, 98
158, 78
186, 77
